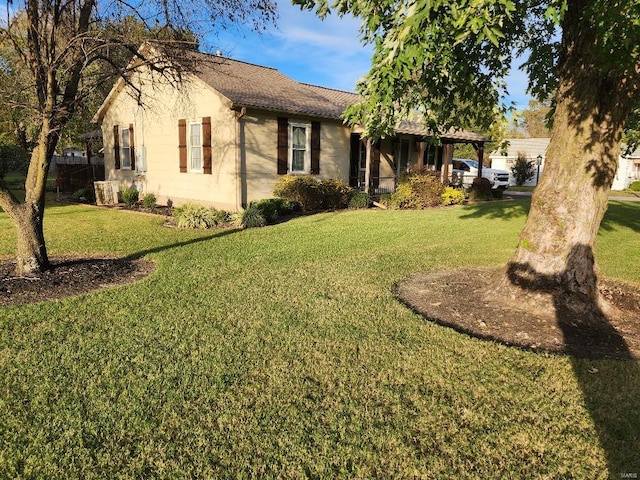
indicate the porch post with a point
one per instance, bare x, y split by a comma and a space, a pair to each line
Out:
479, 148
447, 155
422, 146
367, 168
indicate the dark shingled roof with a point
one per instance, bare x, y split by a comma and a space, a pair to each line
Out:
265, 88
254, 86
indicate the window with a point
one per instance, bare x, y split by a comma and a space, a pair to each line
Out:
300, 147
125, 148
195, 147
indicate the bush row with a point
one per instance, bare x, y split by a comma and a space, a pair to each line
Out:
416, 190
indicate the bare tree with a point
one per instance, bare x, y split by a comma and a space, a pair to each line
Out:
66, 48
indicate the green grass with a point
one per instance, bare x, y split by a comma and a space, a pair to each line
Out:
624, 193
280, 352
516, 188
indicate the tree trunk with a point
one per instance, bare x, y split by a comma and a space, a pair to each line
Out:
31, 252
555, 252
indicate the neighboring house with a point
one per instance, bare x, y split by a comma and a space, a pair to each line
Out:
226, 134
504, 158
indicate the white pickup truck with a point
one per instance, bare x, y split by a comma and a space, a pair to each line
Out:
465, 170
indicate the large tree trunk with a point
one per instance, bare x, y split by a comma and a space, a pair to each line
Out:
555, 253
31, 252
28, 216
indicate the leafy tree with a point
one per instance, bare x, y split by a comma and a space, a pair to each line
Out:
523, 169
65, 50
13, 158
531, 122
583, 54
535, 119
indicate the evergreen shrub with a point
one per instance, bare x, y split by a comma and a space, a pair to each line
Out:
480, 190
359, 199
149, 201
130, 196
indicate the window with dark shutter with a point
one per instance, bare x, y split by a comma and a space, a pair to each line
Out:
182, 144
283, 145
206, 145
315, 147
116, 145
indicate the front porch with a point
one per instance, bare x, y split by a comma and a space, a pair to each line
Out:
376, 167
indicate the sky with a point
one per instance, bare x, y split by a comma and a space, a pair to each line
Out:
327, 53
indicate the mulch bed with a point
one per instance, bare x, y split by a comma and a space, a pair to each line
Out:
67, 277
458, 299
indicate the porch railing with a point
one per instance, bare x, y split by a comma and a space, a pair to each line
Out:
377, 185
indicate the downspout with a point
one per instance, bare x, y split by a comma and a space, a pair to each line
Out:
239, 147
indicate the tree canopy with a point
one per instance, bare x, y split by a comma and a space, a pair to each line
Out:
450, 58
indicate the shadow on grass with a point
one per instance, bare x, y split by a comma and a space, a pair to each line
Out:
610, 388
619, 213
193, 241
499, 209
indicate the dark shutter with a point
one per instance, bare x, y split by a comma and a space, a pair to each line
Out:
354, 159
375, 164
206, 145
182, 144
116, 145
132, 148
283, 145
315, 147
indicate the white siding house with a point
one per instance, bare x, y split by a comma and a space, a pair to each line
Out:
532, 148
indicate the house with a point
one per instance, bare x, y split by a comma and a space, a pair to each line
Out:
534, 148
230, 129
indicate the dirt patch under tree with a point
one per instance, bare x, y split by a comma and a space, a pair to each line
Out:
457, 299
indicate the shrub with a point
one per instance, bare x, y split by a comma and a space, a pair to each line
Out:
427, 187
130, 196
359, 199
417, 190
149, 201
220, 217
335, 193
302, 189
272, 208
251, 217
453, 196
522, 170
497, 193
385, 199
635, 186
190, 215
480, 190
86, 194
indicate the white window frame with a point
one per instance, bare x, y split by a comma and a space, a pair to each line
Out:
307, 151
125, 149
191, 150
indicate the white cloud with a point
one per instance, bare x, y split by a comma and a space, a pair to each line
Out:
327, 53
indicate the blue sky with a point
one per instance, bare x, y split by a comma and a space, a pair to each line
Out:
327, 53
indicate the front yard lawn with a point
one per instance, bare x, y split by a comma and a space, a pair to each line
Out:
281, 352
